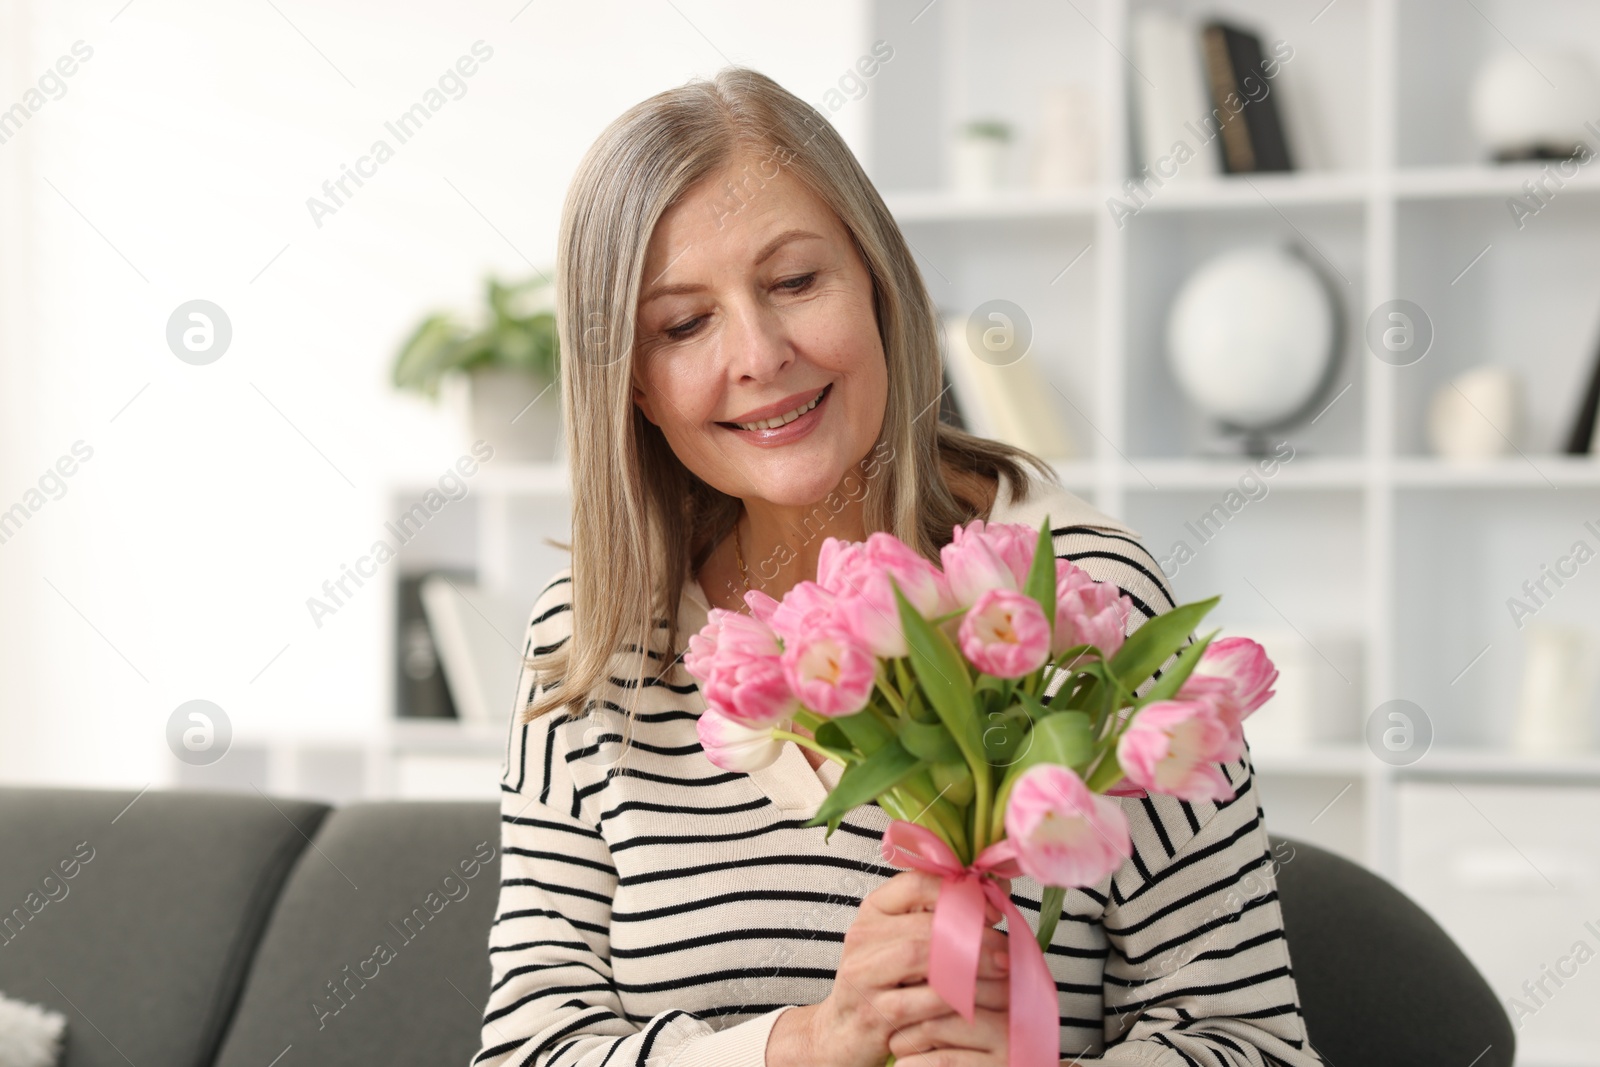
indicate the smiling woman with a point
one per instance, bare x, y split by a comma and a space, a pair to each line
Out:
750, 367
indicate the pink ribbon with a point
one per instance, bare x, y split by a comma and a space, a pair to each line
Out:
1034, 1031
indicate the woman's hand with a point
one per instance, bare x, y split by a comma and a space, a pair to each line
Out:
881, 990
950, 1041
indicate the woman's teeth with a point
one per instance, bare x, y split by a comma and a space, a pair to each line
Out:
779, 420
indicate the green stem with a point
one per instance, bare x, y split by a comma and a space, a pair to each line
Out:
896, 701
904, 676
878, 713
807, 742
981, 793
1050, 913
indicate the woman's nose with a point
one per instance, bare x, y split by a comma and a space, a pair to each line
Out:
758, 346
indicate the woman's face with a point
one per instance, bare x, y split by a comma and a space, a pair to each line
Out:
754, 302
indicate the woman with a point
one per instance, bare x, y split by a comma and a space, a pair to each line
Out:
750, 367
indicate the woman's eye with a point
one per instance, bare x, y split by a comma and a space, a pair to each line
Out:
803, 280
683, 329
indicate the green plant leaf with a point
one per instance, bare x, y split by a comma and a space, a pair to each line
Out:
1049, 913
931, 742
864, 731
954, 782
1143, 653
1041, 584
1107, 774
943, 677
1005, 735
1062, 737
1035, 708
1188, 658
864, 782
829, 735
1065, 738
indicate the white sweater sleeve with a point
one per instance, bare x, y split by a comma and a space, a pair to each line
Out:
552, 1002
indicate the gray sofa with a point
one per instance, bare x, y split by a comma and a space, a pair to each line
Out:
191, 929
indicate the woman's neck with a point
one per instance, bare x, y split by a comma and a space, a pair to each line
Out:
781, 544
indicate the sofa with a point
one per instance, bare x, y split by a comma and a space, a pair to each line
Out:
206, 929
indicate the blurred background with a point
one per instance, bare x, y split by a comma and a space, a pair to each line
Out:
1307, 292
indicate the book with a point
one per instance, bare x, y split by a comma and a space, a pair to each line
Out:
1580, 441
479, 635
1252, 133
1012, 403
420, 688
1177, 107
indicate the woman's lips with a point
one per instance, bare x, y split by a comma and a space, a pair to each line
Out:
789, 432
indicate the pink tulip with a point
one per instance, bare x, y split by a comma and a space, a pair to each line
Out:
1126, 788
857, 573
1176, 746
761, 605
829, 672
1244, 666
983, 556
734, 746
1005, 634
1088, 612
735, 658
1063, 834
806, 608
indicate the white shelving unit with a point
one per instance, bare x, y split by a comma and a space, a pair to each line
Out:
1363, 533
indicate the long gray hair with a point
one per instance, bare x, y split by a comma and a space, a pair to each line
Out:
642, 523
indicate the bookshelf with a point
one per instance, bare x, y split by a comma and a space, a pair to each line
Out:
1363, 534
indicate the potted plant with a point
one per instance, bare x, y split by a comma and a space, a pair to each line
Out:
511, 357
979, 159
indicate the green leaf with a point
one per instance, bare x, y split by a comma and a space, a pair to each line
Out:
943, 676
829, 735
864, 730
862, 783
1188, 658
931, 742
1006, 735
1049, 913
1035, 708
1065, 738
954, 782
1107, 774
988, 683
1143, 653
1041, 584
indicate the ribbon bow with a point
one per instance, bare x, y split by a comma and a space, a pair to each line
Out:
1034, 1026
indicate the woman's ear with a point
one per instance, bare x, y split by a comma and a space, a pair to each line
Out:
642, 402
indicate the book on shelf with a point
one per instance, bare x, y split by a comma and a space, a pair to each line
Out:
479, 635
1172, 102
1243, 99
420, 688
1013, 402
1580, 440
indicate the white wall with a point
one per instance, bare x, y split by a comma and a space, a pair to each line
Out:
177, 166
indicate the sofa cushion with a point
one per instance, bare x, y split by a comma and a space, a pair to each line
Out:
136, 916
378, 950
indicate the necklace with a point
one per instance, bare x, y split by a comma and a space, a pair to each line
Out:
738, 554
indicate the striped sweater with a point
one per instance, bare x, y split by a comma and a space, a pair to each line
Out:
662, 911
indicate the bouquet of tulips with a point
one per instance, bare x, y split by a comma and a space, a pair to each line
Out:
989, 707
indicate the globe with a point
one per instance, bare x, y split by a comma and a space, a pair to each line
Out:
1251, 337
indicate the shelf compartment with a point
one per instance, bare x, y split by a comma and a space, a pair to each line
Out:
1165, 249
1525, 298
1461, 556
